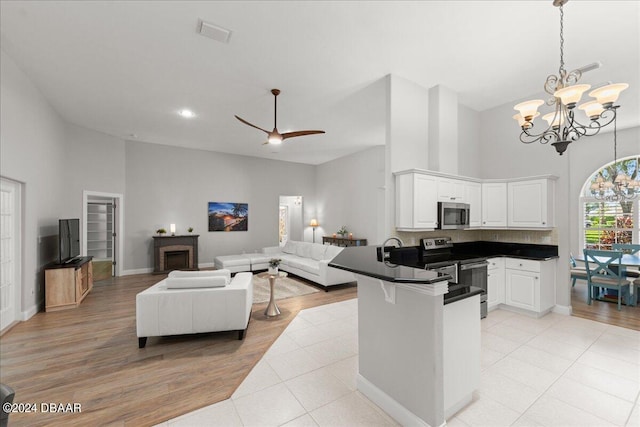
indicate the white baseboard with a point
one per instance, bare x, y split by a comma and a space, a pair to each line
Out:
398, 412
563, 309
30, 312
137, 271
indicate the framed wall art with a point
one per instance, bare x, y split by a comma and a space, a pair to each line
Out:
228, 216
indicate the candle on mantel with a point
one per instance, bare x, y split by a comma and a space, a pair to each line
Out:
351, 235
173, 229
334, 235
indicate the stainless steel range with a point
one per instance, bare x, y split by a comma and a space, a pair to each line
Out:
466, 269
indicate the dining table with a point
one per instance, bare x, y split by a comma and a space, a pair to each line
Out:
627, 260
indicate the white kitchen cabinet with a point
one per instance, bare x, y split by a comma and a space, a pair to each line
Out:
530, 285
495, 283
451, 190
416, 202
531, 203
473, 196
494, 204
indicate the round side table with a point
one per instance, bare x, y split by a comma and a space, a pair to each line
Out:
272, 308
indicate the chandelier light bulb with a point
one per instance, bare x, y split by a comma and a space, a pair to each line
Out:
570, 95
528, 109
555, 119
522, 122
607, 95
592, 109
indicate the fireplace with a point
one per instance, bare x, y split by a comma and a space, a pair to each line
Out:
176, 260
175, 253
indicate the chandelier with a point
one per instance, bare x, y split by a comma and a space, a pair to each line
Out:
618, 187
563, 127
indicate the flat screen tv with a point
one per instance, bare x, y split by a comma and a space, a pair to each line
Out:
68, 239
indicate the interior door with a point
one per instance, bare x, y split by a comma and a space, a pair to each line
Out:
101, 237
9, 253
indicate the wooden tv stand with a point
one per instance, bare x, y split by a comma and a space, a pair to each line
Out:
67, 284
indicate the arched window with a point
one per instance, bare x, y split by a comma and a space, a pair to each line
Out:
607, 220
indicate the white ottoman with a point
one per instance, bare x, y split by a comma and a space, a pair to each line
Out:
259, 261
233, 263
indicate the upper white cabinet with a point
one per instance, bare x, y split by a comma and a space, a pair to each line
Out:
451, 190
416, 202
524, 203
473, 196
494, 204
531, 203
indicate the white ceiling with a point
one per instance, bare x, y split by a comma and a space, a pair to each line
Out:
126, 68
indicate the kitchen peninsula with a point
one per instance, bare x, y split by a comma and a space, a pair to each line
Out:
418, 338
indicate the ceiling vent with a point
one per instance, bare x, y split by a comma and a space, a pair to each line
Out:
213, 31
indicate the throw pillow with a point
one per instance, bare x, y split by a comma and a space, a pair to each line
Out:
289, 247
202, 273
303, 249
196, 282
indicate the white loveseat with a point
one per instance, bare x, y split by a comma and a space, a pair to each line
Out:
310, 261
191, 302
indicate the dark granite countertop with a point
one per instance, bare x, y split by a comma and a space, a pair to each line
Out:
363, 260
511, 250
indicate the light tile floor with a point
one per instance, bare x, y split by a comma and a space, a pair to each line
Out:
554, 371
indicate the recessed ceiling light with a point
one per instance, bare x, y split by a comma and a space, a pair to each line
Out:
187, 114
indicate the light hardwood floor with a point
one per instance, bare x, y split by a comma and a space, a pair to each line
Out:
89, 355
602, 311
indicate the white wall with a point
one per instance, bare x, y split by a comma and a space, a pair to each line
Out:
32, 152
350, 191
443, 130
469, 151
168, 185
53, 161
407, 124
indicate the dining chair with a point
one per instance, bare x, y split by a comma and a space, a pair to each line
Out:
604, 270
577, 272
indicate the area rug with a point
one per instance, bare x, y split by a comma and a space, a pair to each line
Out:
285, 287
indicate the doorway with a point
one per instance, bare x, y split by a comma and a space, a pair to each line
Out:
10, 253
290, 221
102, 233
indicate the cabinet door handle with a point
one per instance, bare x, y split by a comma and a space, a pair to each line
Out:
543, 223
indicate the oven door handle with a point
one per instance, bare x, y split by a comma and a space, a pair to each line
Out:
474, 265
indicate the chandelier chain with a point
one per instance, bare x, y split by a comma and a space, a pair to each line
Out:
562, 70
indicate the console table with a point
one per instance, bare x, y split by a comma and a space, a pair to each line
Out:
67, 284
344, 241
175, 253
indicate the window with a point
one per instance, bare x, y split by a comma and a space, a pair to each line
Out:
607, 222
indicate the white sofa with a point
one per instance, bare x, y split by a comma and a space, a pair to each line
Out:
191, 302
310, 261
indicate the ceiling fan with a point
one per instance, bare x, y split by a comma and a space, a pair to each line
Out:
275, 137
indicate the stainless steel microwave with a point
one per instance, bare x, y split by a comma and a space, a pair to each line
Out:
453, 216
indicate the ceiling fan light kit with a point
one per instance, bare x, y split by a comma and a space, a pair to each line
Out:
563, 127
274, 137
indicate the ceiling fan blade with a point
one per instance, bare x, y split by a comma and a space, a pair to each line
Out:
300, 133
253, 126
